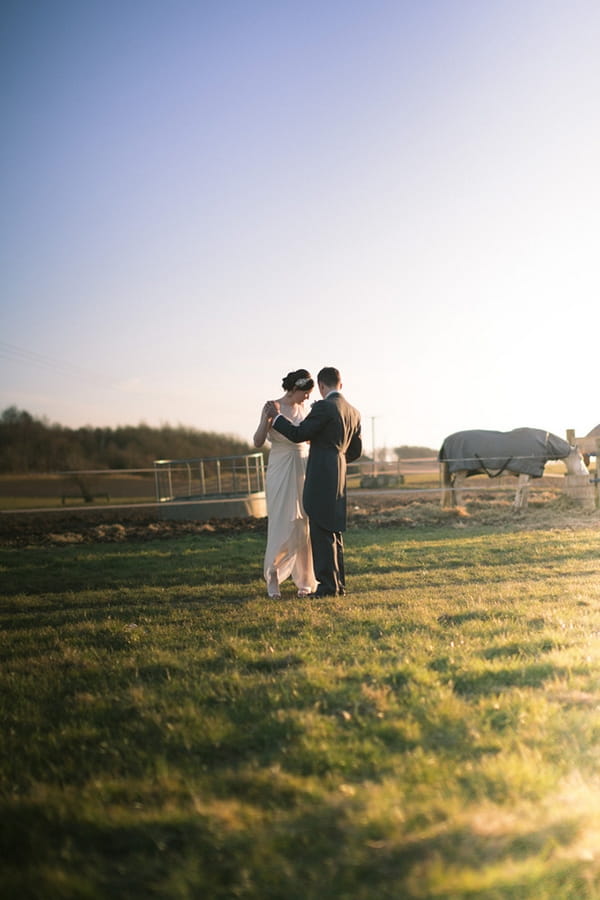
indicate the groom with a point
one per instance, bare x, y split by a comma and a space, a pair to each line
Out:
333, 429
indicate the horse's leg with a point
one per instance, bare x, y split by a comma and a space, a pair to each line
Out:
522, 494
458, 487
446, 486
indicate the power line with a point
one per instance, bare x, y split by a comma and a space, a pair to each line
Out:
60, 366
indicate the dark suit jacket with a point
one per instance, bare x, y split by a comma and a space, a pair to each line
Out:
334, 431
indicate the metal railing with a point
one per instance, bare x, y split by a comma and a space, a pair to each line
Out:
217, 476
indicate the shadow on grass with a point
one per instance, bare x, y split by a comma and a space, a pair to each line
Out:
522, 648
49, 570
60, 612
493, 681
327, 849
458, 619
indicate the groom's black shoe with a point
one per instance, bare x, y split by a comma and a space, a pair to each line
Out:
319, 594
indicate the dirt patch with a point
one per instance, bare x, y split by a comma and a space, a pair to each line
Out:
366, 509
548, 510
108, 526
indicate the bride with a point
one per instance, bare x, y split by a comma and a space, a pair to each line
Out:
288, 550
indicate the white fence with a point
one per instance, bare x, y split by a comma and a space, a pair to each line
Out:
209, 477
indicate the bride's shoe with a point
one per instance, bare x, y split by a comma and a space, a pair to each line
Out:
303, 592
273, 585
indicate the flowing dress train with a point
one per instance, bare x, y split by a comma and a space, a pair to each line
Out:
288, 550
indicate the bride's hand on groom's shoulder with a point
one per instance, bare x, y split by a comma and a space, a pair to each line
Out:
271, 409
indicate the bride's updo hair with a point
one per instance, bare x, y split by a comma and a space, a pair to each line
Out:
299, 380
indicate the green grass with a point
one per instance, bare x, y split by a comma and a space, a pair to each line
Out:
169, 732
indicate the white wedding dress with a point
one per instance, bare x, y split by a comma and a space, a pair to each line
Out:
288, 550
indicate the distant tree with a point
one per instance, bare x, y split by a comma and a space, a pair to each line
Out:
14, 416
32, 445
408, 452
21, 439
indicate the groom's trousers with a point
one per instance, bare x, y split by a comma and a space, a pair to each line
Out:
328, 559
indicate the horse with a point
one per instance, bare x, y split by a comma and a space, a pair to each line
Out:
522, 452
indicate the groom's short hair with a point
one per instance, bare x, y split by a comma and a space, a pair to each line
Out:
329, 376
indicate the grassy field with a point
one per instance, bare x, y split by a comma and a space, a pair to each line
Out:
50, 491
169, 732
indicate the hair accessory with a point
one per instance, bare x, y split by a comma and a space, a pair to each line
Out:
302, 382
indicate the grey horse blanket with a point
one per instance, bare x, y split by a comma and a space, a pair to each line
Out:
523, 451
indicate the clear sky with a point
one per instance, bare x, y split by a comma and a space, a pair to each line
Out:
197, 197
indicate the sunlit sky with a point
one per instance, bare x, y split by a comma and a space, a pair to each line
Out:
198, 197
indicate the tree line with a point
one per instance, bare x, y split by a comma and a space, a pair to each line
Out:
29, 444
409, 451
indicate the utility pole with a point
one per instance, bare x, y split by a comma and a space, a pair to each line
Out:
373, 442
